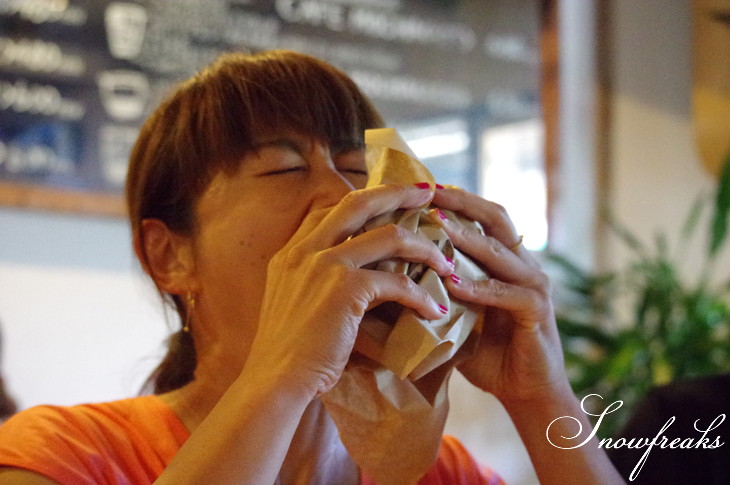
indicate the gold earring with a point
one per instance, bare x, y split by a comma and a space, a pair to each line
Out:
190, 298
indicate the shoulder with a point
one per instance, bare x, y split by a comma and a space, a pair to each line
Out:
71, 444
456, 466
54, 423
40, 424
49, 440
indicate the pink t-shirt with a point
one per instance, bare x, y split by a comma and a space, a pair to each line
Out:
132, 441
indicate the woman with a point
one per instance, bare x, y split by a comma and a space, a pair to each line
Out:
243, 191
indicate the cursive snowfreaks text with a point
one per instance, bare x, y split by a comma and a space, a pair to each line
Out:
703, 441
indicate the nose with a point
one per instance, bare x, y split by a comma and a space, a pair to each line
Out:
331, 186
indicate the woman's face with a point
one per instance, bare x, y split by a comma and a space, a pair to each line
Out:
245, 218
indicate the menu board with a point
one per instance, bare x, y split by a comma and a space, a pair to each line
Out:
77, 78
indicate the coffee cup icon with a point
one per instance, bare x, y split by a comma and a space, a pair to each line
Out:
115, 145
124, 93
125, 23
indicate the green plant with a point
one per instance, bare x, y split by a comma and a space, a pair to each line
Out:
644, 325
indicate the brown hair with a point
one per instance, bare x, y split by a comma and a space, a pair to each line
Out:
7, 403
207, 125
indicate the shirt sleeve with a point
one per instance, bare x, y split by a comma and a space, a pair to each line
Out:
41, 440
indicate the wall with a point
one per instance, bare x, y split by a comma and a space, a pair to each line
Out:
78, 322
654, 174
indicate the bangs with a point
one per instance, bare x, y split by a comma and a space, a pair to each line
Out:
275, 91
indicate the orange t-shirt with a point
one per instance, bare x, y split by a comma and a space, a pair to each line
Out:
132, 441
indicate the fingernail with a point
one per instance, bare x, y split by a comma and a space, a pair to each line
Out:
423, 185
443, 309
439, 186
455, 279
450, 261
442, 216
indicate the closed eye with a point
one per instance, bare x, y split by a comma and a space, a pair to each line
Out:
283, 171
350, 160
354, 171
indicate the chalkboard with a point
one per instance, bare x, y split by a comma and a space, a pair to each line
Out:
77, 77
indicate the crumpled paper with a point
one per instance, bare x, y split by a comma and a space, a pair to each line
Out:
391, 403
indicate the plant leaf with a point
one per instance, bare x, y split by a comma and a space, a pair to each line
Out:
575, 329
722, 210
692, 219
623, 233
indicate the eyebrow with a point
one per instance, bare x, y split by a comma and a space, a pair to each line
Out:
341, 146
336, 146
287, 143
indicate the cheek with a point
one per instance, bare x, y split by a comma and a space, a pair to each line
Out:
233, 259
264, 238
238, 260
236, 243
231, 277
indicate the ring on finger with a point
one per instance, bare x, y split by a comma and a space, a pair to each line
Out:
516, 245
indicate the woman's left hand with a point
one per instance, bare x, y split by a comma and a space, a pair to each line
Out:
519, 356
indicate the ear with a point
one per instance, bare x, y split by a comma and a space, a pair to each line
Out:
166, 256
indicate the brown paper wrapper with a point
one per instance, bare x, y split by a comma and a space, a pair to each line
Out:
390, 405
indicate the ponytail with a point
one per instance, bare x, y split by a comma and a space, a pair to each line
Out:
178, 366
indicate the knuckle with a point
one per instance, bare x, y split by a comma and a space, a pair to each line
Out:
539, 282
277, 260
294, 256
346, 275
405, 283
324, 258
542, 282
398, 189
494, 245
352, 200
394, 232
317, 214
500, 211
541, 299
420, 295
495, 287
540, 305
460, 233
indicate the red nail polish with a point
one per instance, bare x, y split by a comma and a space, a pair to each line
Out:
423, 185
439, 186
450, 261
443, 309
455, 279
441, 214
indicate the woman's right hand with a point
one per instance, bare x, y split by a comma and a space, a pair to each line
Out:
318, 288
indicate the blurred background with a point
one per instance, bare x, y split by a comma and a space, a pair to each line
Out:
602, 126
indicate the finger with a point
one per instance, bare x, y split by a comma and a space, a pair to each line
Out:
399, 288
492, 216
392, 241
526, 305
310, 222
495, 256
359, 206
